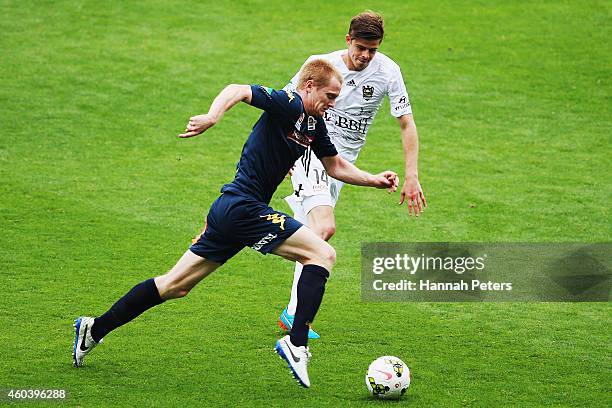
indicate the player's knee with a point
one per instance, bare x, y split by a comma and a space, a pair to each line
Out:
328, 231
325, 230
324, 255
328, 255
332, 256
321, 220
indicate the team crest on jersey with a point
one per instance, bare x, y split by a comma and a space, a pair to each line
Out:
312, 123
276, 219
368, 92
291, 96
300, 138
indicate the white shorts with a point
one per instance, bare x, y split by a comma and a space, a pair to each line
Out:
312, 187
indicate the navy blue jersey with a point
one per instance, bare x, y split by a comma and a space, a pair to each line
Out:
281, 136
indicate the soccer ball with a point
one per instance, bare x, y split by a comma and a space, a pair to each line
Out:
388, 377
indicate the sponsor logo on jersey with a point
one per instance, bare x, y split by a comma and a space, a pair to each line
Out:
267, 91
403, 103
276, 219
265, 240
360, 126
298, 123
368, 92
400, 107
300, 138
351, 83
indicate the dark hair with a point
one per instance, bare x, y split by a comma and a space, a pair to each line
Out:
367, 25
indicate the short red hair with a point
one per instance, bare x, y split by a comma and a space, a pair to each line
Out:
320, 71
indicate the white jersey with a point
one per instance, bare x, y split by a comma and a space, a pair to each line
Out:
359, 100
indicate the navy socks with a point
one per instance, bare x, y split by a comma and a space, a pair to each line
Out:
310, 289
145, 295
140, 298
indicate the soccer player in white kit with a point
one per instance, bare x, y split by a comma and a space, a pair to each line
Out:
368, 76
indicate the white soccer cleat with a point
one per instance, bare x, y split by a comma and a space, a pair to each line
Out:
296, 357
83, 342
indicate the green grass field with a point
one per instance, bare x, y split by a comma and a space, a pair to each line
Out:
512, 102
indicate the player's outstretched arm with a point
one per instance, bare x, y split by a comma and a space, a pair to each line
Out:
411, 189
343, 170
230, 96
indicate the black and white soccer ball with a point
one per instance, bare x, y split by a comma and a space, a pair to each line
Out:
388, 377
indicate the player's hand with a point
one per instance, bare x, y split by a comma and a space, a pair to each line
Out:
387, 179
197, 125
413, 193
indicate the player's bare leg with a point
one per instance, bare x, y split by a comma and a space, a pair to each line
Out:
187, 272
306, 247
322, 221
318, 258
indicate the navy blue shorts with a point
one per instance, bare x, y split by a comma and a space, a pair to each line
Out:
234, 222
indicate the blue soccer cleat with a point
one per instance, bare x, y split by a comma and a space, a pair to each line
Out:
285, 321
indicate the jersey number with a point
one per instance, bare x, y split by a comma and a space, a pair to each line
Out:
322, 177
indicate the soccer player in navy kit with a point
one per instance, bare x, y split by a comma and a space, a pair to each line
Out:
290, 127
